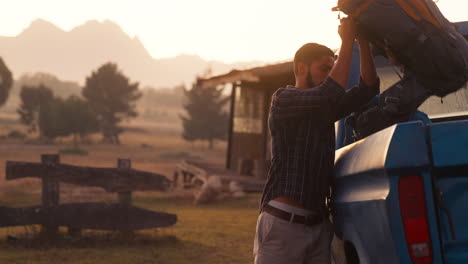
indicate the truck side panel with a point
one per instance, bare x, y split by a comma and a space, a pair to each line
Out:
367, 212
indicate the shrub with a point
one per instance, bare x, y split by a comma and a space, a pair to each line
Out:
73, 151
16, 134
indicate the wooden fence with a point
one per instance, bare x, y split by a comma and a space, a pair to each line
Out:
122, 180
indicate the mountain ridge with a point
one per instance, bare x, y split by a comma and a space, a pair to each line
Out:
72, 55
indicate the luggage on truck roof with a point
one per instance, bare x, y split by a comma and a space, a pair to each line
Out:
414, 35
418, 36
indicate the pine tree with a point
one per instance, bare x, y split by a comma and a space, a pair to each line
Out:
6, 82
205, 118
112, 97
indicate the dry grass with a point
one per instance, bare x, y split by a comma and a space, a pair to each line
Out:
218, 233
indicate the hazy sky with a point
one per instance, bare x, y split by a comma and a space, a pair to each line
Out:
235, 30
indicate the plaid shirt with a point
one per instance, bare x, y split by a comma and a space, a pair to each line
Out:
302, 130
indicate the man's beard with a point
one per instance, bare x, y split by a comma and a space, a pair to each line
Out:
310, 83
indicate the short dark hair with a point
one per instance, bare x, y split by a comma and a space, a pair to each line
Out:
310, 52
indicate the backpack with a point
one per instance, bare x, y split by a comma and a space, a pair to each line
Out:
417, 36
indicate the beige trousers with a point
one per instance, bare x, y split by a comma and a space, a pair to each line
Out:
279, 242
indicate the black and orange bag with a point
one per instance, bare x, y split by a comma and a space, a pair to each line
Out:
418, 36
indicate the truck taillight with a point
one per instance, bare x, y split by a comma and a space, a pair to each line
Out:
414, 217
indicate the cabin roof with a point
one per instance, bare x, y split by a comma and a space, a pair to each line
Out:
250, 75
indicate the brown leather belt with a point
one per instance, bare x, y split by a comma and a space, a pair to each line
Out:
310, 220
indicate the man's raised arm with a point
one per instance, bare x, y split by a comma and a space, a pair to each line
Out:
340, 72
368, 72
369, 85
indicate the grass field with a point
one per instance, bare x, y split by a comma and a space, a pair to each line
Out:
217, 233
222, 232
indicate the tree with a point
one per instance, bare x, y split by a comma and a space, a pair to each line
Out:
42, 112
112, 97
33, 98
54, 117
205, 119
81, 119
53, 121
6, 82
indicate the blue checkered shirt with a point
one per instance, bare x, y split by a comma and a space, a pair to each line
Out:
301, 123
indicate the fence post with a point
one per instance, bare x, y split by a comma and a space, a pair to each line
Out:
50, 190
125, 198
175, 179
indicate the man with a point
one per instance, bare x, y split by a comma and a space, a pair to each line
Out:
293, 226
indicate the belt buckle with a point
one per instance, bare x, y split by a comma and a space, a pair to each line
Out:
308, 220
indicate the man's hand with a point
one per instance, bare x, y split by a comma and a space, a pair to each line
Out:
348, 32
347, 29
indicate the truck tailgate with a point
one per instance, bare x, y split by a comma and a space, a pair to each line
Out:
449, 143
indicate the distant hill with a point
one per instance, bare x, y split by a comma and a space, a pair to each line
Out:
72, 55
59, 87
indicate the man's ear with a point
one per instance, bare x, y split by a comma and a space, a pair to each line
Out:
301, 68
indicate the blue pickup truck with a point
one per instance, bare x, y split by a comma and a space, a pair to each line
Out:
402, 193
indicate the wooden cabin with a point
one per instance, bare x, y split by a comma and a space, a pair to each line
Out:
251, 91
